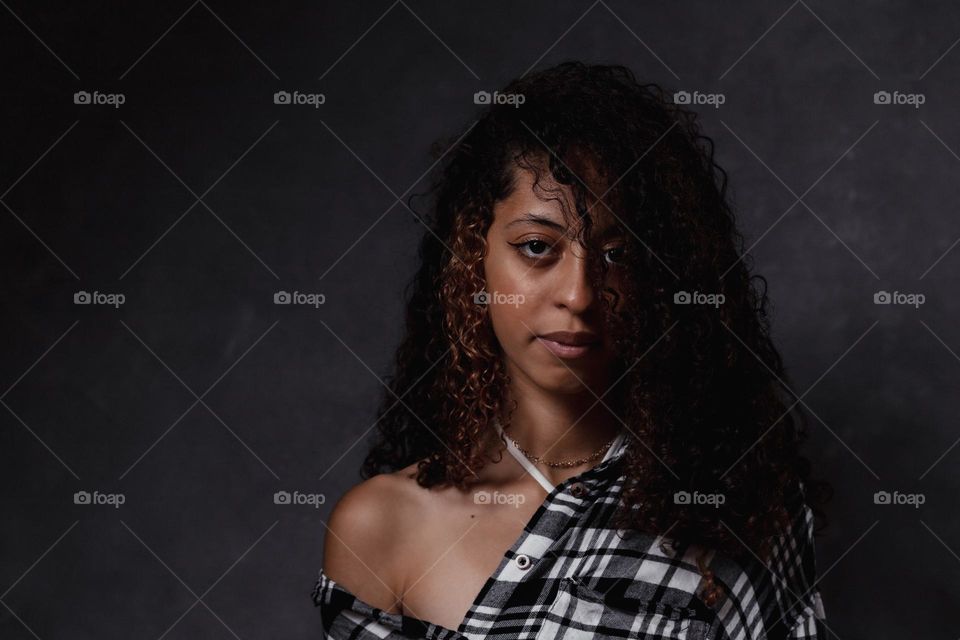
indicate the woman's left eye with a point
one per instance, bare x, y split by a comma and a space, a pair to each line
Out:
617, 253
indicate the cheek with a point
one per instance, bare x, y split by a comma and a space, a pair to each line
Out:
511, 314
507, 276
512, 303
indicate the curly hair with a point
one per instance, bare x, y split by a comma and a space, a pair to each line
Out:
705, 393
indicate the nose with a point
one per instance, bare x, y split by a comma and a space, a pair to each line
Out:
573, 289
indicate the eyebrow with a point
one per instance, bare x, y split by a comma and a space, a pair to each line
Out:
532, 218
535, 219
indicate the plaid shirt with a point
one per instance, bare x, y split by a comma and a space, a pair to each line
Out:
571, 576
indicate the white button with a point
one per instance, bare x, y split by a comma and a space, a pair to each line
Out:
523, 562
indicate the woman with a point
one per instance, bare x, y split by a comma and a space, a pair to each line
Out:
583, 307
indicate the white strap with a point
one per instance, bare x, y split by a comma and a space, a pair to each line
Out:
621, 436
534, 471
524, 462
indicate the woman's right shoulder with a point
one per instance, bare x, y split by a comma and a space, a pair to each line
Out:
364, 536
375, 505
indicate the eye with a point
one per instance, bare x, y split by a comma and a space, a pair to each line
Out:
535, 248
614, 255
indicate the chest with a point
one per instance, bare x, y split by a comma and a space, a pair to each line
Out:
455, 553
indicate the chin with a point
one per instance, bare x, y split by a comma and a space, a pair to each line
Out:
562, 382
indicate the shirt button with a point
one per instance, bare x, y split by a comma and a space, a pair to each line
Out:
523, 562
578, 490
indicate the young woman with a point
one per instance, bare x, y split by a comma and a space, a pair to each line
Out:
587, 433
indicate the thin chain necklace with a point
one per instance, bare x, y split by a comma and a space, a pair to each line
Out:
566, 464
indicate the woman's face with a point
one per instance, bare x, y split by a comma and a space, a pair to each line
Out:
537, 285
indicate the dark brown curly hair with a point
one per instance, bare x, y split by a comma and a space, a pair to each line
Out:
705, 397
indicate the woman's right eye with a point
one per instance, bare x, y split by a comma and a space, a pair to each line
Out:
533, 248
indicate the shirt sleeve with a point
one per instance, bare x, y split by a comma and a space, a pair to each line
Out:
795, 560
810, 624
343, 616
349, 625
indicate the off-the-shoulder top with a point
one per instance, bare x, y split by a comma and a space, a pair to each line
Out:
570, 575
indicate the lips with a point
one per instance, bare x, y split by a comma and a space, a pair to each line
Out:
568, 344
571, 338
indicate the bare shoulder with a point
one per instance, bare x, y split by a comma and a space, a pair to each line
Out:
363, 548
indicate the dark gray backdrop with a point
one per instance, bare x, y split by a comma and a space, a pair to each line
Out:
198, 198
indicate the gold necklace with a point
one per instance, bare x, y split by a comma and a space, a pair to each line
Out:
566, 464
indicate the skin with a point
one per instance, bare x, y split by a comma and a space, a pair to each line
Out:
542, 261
427, 553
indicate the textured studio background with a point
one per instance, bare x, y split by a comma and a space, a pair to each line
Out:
197, 399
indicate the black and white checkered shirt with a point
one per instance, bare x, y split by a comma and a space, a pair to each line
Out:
570, 576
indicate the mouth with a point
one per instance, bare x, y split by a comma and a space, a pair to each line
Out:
568, 345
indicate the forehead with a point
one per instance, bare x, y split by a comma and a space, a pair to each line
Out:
538, 197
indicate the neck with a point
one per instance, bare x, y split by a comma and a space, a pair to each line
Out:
559, 427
